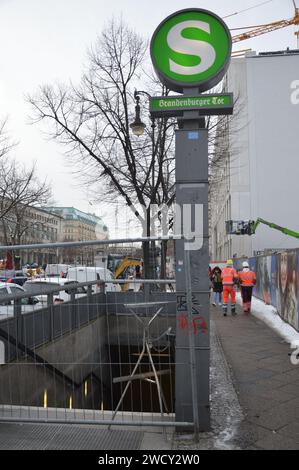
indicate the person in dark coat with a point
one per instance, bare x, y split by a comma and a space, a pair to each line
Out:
217, 285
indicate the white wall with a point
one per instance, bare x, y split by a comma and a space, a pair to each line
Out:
273, 147
240, 158
264, 151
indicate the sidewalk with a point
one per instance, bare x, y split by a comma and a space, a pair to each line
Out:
266, 382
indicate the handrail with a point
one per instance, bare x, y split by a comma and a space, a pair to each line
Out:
88, 243
51, 290
75, 285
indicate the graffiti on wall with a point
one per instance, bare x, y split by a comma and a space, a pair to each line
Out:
287, 287
199, 324
278, 283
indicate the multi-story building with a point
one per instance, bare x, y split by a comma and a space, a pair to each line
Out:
32, 225
256, 175
79, 226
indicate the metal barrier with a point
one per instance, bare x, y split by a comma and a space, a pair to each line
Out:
277, 282
91, 349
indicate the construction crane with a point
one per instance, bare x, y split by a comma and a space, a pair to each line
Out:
257, 30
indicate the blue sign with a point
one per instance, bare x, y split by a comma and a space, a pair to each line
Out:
193, 135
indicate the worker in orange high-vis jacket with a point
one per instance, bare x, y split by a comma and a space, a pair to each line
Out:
229, 278
247, 280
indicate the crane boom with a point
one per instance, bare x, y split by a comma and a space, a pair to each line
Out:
284, 230
267, 28
248, 227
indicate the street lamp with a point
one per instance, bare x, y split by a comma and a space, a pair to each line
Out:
137, 126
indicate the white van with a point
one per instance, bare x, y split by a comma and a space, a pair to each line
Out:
86, 274
56, 270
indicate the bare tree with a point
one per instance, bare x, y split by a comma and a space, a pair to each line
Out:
24, 190
93, 121
8, 184
19, 190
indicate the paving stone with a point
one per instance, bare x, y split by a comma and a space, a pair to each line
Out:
276, 417
273, 382
289, 388
291, 430
266, 382
257, 403
275, 394
277, 367
277, 442
292, 375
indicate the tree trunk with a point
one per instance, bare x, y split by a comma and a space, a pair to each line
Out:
148, 253
163, 262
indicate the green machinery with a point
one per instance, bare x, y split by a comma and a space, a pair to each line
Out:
248, 227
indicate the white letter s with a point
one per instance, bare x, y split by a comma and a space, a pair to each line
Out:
201, 49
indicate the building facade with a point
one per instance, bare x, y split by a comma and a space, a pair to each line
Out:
32, 225
258, 155
79, 226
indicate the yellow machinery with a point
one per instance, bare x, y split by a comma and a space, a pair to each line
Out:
118, 264
124, 264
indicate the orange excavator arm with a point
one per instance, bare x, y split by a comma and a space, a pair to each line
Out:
125, 263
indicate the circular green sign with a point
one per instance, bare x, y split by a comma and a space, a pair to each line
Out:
191, 49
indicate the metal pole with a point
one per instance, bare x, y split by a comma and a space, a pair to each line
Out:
37, 246
193, 370
98, 422
129, 381
191, 195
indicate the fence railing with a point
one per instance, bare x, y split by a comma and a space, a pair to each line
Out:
91, 349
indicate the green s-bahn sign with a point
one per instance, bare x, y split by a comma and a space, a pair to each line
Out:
191, 49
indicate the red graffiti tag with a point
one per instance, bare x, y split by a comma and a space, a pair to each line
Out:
198, 323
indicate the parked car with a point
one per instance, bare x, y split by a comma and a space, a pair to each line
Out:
7, 306
93, 273
15, 277
40, 286
19, 279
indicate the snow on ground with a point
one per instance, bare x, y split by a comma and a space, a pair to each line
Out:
268, 314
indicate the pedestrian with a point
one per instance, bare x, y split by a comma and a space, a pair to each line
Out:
229, 278
211, 283
217, 285
247, 280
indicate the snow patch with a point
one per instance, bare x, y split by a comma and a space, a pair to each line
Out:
268, 314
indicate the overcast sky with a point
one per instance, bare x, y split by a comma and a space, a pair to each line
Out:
46, 40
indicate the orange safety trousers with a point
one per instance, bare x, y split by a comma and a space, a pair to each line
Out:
229, 291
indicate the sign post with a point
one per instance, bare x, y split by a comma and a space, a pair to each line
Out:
191, 52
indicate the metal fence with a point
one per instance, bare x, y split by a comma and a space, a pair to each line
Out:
78, 344
278, 282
